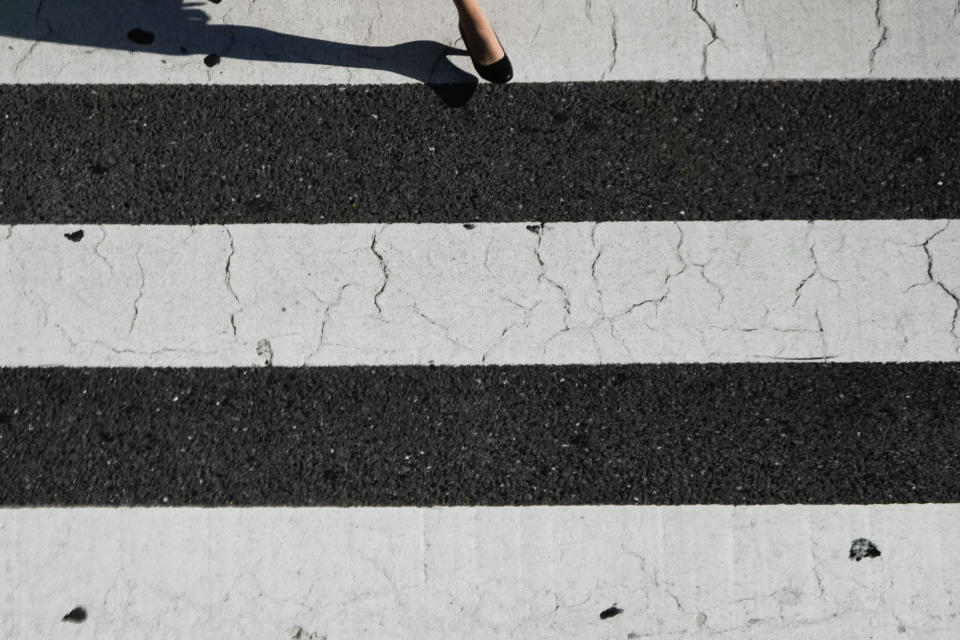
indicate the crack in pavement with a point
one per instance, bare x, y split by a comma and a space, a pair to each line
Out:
541, 230
768, 50
613, 37
443, 330
955, 321
816, 267
823, 334
328, 309
227, 280
701, 266
96, 248
695, 7
136, 302
373, 22
883, 36
593, 266
383, 268
523, 323
23, 58
654, 301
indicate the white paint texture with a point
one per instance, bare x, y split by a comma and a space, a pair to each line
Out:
762, 572
571, 293
585, 40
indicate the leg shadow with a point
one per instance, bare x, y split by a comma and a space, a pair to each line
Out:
177, 28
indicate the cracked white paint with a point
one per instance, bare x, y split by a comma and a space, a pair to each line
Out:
565, 293
585, 40
712, 29
824, 39
752, 572
882, 39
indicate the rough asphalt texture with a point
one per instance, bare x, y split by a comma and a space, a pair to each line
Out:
650, 434
548, 152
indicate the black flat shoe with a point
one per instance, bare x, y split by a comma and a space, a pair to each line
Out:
500, 72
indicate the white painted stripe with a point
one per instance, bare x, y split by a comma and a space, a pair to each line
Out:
367, 41
572, 293
532, 572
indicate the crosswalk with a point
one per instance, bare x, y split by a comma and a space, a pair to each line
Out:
372, 42
744, 572
306, 334
450, 294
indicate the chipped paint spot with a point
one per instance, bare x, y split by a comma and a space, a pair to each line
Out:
863, 548
76, 615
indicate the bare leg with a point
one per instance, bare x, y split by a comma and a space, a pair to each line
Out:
479, 34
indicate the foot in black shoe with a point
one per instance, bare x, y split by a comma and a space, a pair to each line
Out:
499, 72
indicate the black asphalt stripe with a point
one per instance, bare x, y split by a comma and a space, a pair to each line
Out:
651, 434
525, 152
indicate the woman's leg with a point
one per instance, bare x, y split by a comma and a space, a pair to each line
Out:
481, 39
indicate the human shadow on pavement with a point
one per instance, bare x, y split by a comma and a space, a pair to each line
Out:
179, 28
